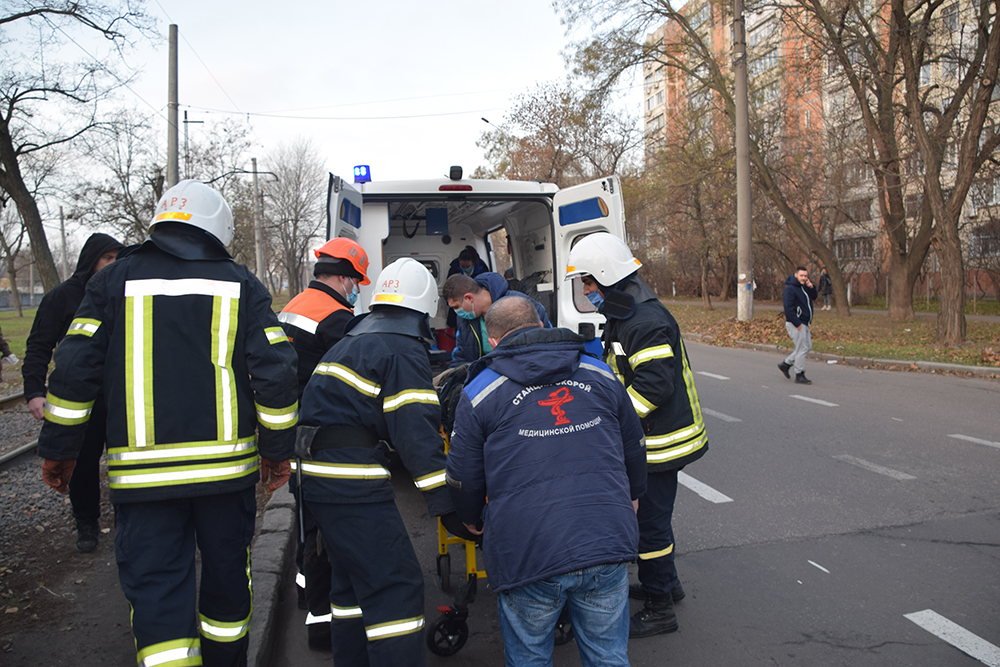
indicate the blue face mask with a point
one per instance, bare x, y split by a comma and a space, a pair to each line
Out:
464, 314
352, 298
464, 270
596, 298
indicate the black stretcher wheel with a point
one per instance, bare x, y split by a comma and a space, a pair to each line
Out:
447, 636
444, 571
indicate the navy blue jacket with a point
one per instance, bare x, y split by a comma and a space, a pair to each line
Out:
469, 339
550, 436
378, 378
798, 302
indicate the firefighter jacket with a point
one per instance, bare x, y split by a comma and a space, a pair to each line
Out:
314, 320
374, 387
55, 313
472, 333
191, 360
549, 434
645, 350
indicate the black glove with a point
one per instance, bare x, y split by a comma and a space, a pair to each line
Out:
454, 525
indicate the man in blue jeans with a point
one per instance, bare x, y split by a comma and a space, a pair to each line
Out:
550, 436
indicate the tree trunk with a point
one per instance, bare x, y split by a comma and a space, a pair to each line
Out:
951, 317
28, 209
706, 297
14, 294
900, 294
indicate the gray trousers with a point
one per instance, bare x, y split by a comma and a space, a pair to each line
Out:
803, 343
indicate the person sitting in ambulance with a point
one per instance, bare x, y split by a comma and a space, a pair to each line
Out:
470, 299
469, 264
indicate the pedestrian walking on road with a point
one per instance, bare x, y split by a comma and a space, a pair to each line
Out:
798, 298
825, 288
551, 435
644, 349
199, 379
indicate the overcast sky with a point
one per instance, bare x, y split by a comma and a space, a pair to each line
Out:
396, 84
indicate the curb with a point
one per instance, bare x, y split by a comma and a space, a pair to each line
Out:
927, 366
270, 554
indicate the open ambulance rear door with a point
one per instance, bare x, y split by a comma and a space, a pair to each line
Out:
346, 215
578, 211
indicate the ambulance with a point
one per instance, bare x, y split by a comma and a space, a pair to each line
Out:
529, 226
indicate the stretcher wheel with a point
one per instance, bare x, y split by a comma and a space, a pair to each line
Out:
447, 636
444, 571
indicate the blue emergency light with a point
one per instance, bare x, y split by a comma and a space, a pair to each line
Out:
362, 174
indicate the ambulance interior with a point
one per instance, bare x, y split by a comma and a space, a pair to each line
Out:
505, 232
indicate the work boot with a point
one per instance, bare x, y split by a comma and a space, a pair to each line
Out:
320, 638
800, 378
86, 536
656, 618
637, 592
784, 368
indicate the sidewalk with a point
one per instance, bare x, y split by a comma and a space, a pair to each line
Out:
767, 305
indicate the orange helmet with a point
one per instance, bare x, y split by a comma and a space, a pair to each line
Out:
347, 250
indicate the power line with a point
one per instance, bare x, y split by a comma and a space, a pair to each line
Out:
345, 118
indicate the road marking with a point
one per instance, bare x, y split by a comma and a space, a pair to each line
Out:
868, 465
896, 419
719, 415
817, 565
712, 375
957, 636
959, 436
815, 400
703, 490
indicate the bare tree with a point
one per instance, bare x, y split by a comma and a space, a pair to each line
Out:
128, 181
295, 206
11, 238
560, 135
618, 44
44, 104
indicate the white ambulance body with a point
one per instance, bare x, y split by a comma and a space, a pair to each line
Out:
433, 220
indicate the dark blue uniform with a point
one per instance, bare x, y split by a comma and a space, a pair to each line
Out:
183, 345
373, 387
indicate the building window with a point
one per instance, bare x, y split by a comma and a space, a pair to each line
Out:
949, 16
766, 62
649, 82
856, 247
986, 241
701, 16
925, 74
762, 32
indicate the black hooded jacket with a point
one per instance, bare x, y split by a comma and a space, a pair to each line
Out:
56, 312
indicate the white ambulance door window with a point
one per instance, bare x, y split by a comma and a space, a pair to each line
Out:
343, 212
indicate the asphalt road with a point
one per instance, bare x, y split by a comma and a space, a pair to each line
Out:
855, 521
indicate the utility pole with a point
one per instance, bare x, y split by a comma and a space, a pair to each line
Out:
744, 232
257, 233
62, 230
187, 152
172, 161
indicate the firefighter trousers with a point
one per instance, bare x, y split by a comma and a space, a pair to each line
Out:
376, 585
85, 484
657, 573
155, 549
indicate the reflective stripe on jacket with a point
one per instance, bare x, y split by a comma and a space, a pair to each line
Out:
381, 382
314, 321
647, 354
196, 380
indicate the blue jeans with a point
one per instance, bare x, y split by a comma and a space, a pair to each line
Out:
598, 606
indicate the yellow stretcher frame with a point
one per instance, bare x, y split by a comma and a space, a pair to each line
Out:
445, 540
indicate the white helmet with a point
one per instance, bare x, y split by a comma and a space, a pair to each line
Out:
604, 256
407, 283
194, 203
